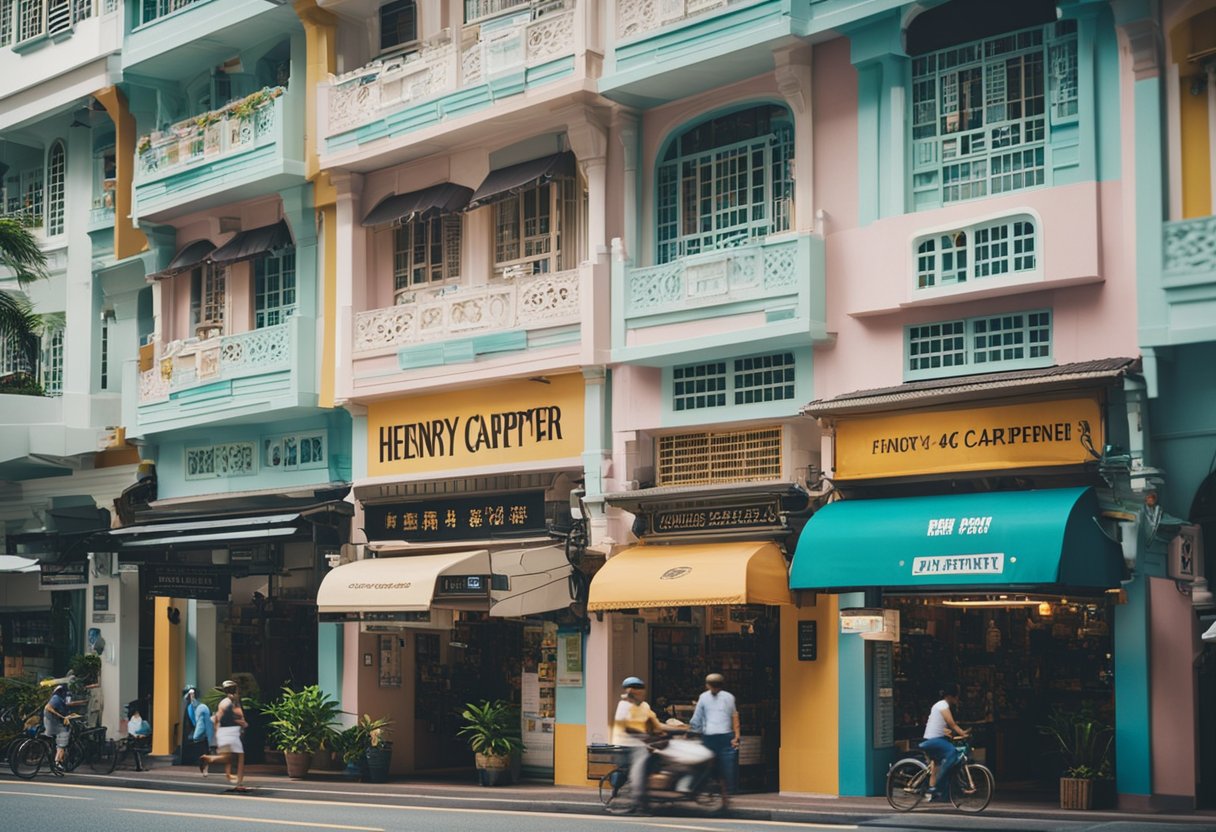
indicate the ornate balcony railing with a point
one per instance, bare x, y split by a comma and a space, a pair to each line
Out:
242, 125
437, 314
1189, 246
362, 95
731, 274
183, 364
636, 17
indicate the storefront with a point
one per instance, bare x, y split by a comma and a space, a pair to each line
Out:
465, 587
702, 592
979, 537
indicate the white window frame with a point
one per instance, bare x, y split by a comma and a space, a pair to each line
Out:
50, 367
419, 265
537, 251
8, 22
953, 162
959, 352
270, 308
56, 188
1002, 249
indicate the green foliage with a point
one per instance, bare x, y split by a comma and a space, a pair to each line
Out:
302, 721
86, 667
21, 384
21, 701
1082, 740
491, 728
353, 742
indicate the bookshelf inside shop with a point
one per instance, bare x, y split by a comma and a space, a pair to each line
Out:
1013, 666
26, 643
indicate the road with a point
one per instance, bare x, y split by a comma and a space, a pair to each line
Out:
60, 806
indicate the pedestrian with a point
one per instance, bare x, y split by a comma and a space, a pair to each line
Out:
633, 723
229, 720
204, 728
55, 723
716, 719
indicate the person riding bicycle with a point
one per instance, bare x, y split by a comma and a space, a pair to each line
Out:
634, 720
55, 722
938, 728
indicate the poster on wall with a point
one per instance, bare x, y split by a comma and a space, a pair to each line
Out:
570, 659
390, 662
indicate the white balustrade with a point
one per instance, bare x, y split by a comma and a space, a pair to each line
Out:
636, 17
362, 95
183, 364
1189, 246
242, 125
533, 302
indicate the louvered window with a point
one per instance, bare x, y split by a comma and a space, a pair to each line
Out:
718, 457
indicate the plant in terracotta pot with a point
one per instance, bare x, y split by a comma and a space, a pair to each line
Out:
301, 721
1083, 742
492, 731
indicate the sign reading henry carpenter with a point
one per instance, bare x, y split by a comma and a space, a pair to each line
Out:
205, 583
512, 422
458, 518
1031, 435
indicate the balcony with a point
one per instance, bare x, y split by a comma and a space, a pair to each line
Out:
151, 10
447, 78
770, 292
1188, 280
227, 377
223, 155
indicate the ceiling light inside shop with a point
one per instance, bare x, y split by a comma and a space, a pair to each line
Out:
1004, 601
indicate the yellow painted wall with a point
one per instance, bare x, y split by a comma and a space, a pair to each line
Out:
1196, 155
570, 756
169, 646
128, 240
810, 694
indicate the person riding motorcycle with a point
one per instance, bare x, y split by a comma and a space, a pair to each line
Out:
633, 722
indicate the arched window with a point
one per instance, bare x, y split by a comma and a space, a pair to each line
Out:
725, 182
55, 170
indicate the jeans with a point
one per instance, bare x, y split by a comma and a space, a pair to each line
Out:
945, 755
728, 758
639, 770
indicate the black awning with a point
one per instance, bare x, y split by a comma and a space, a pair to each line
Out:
504, 182
444, 198
253, 243
187, 257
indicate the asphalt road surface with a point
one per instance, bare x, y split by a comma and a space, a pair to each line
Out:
59, 806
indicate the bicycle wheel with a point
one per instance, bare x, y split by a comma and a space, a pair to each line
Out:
10, 751
712, 796
29, 758
971, 788
103, 757
906, 784
73, 755
615, 792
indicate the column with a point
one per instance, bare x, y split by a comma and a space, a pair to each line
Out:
350, 251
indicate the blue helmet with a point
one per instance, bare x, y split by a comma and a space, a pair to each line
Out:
633, 682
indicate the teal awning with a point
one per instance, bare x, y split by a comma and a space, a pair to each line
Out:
1024, 539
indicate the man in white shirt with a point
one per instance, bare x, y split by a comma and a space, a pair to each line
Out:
937, 744
717, 721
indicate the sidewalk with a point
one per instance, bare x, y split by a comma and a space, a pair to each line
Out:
333, 785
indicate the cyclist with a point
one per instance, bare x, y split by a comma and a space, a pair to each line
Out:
633, 721
55, 722
938, 728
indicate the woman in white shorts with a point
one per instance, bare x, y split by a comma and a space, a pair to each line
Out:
229, 721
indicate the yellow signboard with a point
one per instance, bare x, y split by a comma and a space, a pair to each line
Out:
497, 424
1030, 435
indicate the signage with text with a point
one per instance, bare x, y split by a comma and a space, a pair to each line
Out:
458, 518
63, 575
180, 580
676, 521
512, 422
1030, 435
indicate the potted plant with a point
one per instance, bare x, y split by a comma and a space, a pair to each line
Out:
372, 748
300, 723
1083, 742
492, 731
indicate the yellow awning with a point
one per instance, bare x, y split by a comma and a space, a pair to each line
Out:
394, 584
691, 575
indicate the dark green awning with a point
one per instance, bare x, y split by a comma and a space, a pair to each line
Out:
1025, 539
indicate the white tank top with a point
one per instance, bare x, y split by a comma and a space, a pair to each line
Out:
936, 726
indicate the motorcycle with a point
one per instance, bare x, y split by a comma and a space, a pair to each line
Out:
682, 770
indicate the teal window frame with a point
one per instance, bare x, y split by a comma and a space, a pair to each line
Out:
977, 252
742, 381
981, 113
274, 287
983, 344
742, 190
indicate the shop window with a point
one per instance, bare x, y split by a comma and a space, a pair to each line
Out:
534, 230
696, 386
226, 459
398, 25
207, 301
426, 252
718, 457
726, 182
976, 252
274, 282
50, 370
56, 164
987, 344
295, 451
980, 110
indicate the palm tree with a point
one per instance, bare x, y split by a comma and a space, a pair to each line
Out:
25, 262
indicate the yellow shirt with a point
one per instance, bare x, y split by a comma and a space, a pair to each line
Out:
635, 717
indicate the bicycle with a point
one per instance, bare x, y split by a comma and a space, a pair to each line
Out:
88, 745
971, 784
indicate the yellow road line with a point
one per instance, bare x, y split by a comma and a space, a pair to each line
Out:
196, 816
